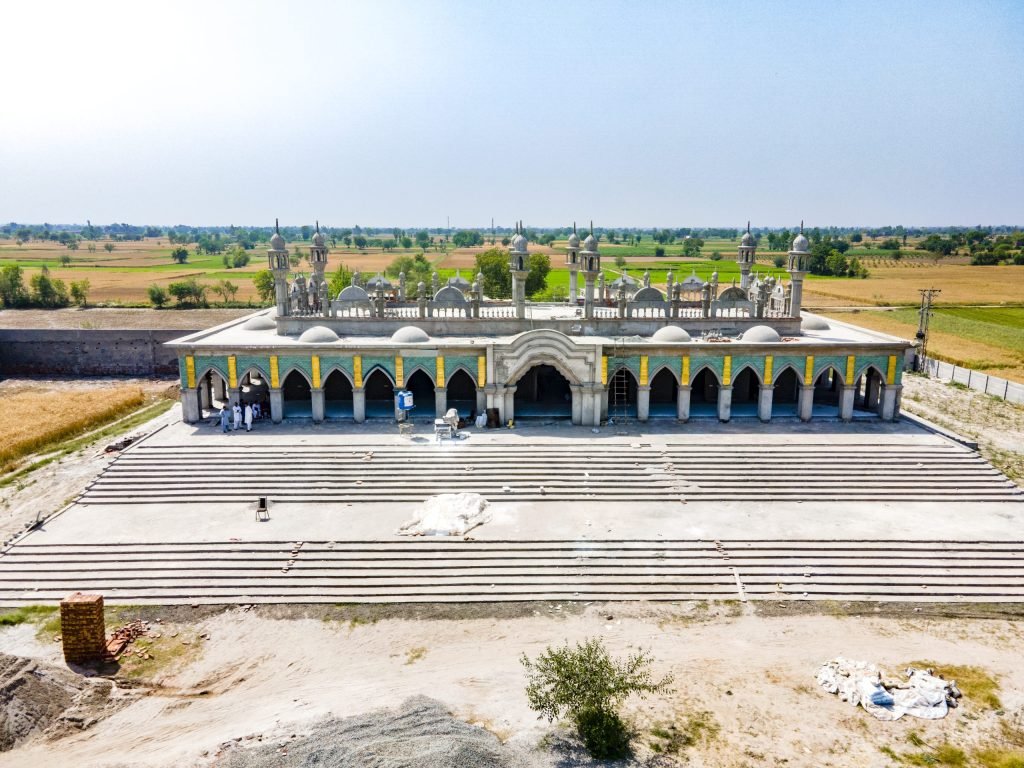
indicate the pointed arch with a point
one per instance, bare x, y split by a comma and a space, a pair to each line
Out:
465, 369
339, 394
672, 369
787, 367
543, 390
664, 393
696, 371
704, 389
622, 392
428, 371
337, 368
377, 367
297, 394
746, 388
296, 369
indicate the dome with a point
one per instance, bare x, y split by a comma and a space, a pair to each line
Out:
318, 240
259, 323
814, 323
318, 334
353, 293
519, 244
671, 334
800, 243
761, 334
410, 334
650, 293
748, 240
449, 295
574, 240
276, 242
377, 282
590, 244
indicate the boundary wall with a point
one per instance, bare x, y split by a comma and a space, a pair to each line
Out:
88, 352
1010, 391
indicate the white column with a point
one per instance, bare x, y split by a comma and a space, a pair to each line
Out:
190, 412
577, 403
643, 403
276, 405
204, 393
440, 402
317, 396
846, 395
764, 403
573, 285
724, 403
889, 398
481, 401
508, 412
683, 404
805, 402
359, 404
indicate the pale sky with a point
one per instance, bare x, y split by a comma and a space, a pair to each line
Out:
404, 113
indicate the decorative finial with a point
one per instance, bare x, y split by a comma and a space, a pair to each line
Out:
574, 227
277, 228
748, 225
318, 226
801, 226
591, 226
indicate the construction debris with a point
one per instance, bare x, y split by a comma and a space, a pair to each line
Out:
921, 694
125, 635
447, 514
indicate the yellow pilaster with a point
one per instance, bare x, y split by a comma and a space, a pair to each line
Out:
643, 370
190, 371
399, 372
685, 378
890, 375
769, 363
232, 371
727, 371
604, 370
851, 366
439, 379
357, 370
481, 371
809, 371
275, 373
315, 365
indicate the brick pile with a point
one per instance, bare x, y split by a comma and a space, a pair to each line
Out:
82, 627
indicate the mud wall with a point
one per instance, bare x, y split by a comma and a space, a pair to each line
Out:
77, 352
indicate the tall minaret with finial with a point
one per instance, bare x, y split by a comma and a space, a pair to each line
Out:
590, 258
572, 262
318, 255
798, 256
748, 246
277, 256
519, 266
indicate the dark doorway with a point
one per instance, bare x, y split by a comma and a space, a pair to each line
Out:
786, 394
543, 392
422, 389
298, 397
380, 395
213, 394
704, 394
337, 396
826, 393
745, 390
664, 395
462, 394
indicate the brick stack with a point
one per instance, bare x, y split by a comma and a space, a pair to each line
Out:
82, 628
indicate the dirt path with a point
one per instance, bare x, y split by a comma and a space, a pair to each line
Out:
102, 318
267, 677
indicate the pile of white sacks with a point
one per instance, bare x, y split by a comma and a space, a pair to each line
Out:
447, 514
921, 694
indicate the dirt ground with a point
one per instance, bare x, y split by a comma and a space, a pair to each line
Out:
102, 318
262, 675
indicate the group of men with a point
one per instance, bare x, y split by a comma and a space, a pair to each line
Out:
236, 416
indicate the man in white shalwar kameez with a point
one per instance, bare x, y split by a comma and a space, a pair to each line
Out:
237, 412
248, 417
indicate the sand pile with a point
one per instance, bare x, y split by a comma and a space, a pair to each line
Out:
421, 732
37, 697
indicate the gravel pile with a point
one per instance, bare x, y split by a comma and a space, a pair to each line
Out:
420, 733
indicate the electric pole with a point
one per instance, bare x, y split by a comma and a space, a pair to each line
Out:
925, 313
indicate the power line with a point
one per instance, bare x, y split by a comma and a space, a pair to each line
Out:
924, 313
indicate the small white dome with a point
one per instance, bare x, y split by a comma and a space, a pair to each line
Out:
574, 240
761, 334
318, 334
259, 323
519, 244
449, 295
353, 293
590, 244
814, 323
748, 240
410, 334
800, 243
277, 242
671, 334
318, 240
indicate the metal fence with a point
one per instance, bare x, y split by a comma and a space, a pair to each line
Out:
982, 382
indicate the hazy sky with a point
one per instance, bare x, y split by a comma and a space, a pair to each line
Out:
403, 113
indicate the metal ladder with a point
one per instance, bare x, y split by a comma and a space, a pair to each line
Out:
618, 407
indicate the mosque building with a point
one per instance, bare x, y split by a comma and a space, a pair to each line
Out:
621, 350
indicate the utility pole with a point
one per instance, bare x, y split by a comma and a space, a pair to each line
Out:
925, 313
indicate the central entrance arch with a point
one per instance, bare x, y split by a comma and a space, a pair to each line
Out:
338, 396
462, 393
298, 396
704, 395
543, 392
380, 395
422, 388
664, 395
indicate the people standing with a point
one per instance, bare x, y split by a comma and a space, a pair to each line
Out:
237, 411
248, 417
224, 418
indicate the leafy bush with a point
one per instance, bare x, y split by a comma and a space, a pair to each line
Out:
587, 685
189, 293
716, 256
157, 295
658, 251
779, 261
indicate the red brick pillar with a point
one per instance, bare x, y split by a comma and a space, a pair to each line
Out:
82, 628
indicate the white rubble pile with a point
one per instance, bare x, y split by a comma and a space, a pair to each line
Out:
447, 514
922, 694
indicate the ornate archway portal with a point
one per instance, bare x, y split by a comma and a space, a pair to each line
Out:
543, 392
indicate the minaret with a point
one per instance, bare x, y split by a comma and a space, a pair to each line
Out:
519, 266
748, 246
318, 255
277, 256
797, 263
591, 262
572, 261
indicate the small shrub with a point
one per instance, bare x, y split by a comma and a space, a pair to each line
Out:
779, 261
157, 295
716, 256
659, 251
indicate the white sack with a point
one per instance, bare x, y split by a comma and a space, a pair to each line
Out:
447, 514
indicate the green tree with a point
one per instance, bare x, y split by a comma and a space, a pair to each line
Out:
64, 259
423, 239
692, 246
359, 241
225, 289
264, 283
585, 684
108, 247
47, 291
157, 295
836, 264
406, 242
716, 256
339, 280
80, 292
12, 286
620, 260
659, 252
537, 278
493, 263
180, 255
188, 293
